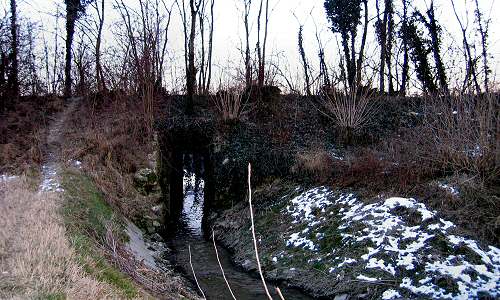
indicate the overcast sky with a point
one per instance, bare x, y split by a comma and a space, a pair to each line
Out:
283, 27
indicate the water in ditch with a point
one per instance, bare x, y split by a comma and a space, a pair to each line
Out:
203, 257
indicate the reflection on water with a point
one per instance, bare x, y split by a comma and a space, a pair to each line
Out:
204, 260
192, 208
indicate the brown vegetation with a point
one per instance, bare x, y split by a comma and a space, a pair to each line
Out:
23, 130
109, 134
35, 257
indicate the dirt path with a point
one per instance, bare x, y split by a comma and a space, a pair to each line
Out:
52, 152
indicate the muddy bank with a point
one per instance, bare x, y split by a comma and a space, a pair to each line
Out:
336, 244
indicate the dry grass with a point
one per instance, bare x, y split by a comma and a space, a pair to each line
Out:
35, 257
315, 163
459, 134
111, 137
22, 132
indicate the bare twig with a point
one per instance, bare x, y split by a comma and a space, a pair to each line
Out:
194, 274
253, 232
279, 293
220, 265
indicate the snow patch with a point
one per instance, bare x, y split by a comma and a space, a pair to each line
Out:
4, 178
399, 237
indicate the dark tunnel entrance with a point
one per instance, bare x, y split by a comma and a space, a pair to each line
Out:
186, 180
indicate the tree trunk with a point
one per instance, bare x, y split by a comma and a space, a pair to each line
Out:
404, 75
248, 66
99, 73
71, 15
470, 65
261, 48
304, 61
390, 36
436, 45
483, 32
13, 79
382, 36
210, 47
191, 69
347, 59
362, 48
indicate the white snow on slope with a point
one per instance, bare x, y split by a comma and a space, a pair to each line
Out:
400, 237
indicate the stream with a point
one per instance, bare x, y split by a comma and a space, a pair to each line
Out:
203, 256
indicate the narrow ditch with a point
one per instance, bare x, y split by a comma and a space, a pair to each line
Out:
190, 233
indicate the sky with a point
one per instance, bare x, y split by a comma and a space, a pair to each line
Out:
285, 17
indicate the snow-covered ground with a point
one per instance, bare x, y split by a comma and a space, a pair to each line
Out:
395, 240
7, 178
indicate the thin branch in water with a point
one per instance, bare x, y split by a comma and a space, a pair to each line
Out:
279, 293
194, 274
220, 265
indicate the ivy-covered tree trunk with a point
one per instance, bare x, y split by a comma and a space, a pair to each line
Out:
435, 33
304, 61
406, 65
13, 77
72, 8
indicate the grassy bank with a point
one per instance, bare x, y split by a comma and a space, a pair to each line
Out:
90, 224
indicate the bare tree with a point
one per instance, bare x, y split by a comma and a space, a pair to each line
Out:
323, 68
304, 60
483, 32
406, 65
384, 29
261, 46
146, 33
435, 32
361, 54
470, 62
101, 84
248, 63
74, 8
205, 73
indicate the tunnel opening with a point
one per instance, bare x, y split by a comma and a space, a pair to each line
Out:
193, 203
186, 179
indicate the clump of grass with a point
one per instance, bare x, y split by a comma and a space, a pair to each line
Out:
351, 110
315, 163
230, 103
37, 260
